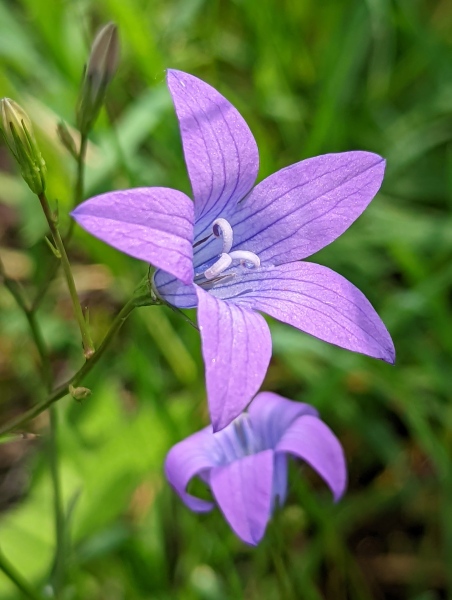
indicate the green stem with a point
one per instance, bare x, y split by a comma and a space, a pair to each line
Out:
285, 585
86, 338
63, 389
79, 182
17, 578
17, 293
30, 314
277, 547
44, 286
60, 522
78, 197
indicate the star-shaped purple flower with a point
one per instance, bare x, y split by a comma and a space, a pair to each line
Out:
245, 464
235, 250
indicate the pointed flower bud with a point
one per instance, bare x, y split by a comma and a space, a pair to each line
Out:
102, 65
18, 133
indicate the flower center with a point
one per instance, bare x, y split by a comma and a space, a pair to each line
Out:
221, 228
249, 443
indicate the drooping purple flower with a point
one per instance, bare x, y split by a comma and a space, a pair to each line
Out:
245, 464
236, 249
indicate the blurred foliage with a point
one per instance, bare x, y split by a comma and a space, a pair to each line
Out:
309, 78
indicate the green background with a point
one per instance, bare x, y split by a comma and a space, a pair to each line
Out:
309, 77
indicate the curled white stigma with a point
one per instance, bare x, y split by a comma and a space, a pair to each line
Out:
246, 258
222, 228
218, 267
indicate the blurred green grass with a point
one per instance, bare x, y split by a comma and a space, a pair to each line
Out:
309, 78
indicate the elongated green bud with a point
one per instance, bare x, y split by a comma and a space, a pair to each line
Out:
18, 133
102, 65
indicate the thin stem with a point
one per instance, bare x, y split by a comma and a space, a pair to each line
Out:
50, 276
78, 197
276, 547
63, 389
18, 294
46, 374
86, 338
60, 522
80, 178
17, 578
283, 578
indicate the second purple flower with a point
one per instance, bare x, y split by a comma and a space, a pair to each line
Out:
236, 249
245, 464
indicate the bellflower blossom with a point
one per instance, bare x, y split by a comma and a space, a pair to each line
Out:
236, 249
245, 464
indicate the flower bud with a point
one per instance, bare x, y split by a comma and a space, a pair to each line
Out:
102, 64
18, 133
79, 393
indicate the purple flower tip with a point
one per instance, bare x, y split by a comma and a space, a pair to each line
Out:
245, 464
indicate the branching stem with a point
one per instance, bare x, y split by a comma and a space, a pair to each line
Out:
63, 389
78, 197
51, 220
18, 294
46, 374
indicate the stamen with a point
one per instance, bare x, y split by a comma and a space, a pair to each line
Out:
221, 265
222, 228
246, 258
209, 284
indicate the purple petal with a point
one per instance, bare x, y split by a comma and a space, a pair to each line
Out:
243, 491
173, 291
152, 224
272, 414
316, 300
300, 209
310, 439
191, 457
220, 150
236, 346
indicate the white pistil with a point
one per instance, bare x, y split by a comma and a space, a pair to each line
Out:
218, 267
246, 258
222, 228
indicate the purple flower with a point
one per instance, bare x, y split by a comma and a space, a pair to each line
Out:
245, 464
235, 249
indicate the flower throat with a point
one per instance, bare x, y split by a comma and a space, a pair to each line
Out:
222, 228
